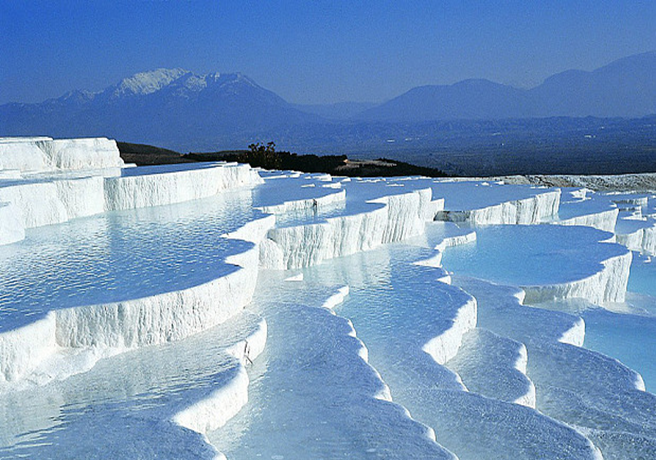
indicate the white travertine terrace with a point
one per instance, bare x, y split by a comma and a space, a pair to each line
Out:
46, 154
577, 208
606, 285
637, 233
231, 263
483, 203
494, 366
394, 217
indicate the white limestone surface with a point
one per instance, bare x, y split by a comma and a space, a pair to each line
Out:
598, 395
83, 153
315, 395
501, 310
53, 181
547, 261
22, 153
623, 198
219, 406
152, 402
44, 154
397, 307
78, 313
162, 185
494, 366
620, 446
442, 235
625, 214
590, 390
591, 210
293, 193
11, 227
118, 326
494, 203
429, 322
160, 318
39, 202
602, 220
376, 213
85, 289
637, 234
36, 203
606, 285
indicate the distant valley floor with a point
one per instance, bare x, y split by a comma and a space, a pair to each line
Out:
602, 183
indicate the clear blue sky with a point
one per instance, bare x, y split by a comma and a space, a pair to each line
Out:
313, 51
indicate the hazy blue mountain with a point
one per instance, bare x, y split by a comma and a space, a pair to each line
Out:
337, 111
185, 111
624, 88
166, 106
469, 99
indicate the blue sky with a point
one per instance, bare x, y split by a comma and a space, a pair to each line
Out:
313, 51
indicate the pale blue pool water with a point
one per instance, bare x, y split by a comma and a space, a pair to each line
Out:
312, 396
396, 307
517, 255
630, 338
163, 169
122, 408
526, 255
120, 255
311, 392
643, 276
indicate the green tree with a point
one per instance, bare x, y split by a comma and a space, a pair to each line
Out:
264, 156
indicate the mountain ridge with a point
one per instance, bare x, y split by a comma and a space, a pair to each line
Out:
177, 107
164, 106
625, 88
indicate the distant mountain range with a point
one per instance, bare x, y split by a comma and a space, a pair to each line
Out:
183, 110
164, 106
624, 88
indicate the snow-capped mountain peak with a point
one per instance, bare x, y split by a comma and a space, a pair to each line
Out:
75, 96
157, 105
177, 82
147, 82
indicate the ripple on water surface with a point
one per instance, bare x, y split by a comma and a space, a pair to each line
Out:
629, 337
119, 256
529, 255
524, 255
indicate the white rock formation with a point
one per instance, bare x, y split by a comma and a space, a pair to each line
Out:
483, 203
603, 220
156, 186
11, 227
588, 209
222, 404
637, 234
382, 220
495, 367
606, 285
487, 337
46, 154
53, 181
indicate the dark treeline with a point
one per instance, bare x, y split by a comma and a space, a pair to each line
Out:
265, 156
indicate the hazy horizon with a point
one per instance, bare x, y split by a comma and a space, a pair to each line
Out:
515, 85
316, 53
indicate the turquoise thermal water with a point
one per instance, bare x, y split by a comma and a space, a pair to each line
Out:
631, 338
104, 258
517, 255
